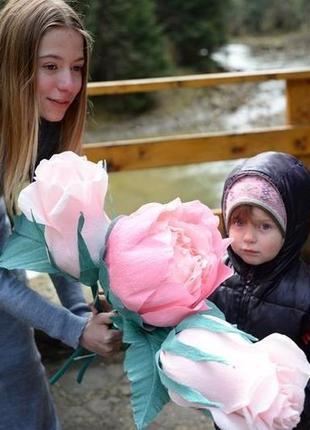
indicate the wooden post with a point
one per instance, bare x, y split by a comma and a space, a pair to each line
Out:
298, 101
298, 107
298, 113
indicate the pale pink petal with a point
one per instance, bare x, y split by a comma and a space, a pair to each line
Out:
255, 390
66, 186
166, 259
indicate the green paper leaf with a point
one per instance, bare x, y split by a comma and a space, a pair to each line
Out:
89, 271
148, 394
105, 284
173, 345
26, 248
198, 321
214, 310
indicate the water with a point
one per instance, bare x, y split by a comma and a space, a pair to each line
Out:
241, 57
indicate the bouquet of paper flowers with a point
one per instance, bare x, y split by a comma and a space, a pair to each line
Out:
157, 268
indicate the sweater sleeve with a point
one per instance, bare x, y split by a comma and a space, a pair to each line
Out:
28, 306
71, 295
22, 303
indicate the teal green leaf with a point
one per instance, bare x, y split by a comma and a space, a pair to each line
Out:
89, 271
132, 316
105, 284
214, 310
198, 321
173, 345
26, 248
148, 394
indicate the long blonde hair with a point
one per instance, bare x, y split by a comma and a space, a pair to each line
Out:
22, 26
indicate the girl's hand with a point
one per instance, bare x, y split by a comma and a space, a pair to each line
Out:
98, 337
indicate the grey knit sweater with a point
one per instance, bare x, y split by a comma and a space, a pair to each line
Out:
25, 401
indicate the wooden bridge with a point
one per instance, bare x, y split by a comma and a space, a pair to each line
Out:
293, 137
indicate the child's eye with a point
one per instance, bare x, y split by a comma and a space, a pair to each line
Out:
238, 222
266, 226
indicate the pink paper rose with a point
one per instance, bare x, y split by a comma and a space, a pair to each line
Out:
164, 260
261, 387
66, 186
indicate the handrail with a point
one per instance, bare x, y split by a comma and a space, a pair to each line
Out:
134, 154
292, 137
192, 81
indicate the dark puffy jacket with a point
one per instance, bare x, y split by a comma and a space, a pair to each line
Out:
274, 296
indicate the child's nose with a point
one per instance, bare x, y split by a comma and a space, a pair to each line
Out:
249, 235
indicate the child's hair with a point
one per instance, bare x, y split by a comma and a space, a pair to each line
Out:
244, 212
22, 26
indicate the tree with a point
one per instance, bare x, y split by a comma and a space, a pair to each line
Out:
128, 43
267, 16
195, 28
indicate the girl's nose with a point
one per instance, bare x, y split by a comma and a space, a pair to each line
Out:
66, 81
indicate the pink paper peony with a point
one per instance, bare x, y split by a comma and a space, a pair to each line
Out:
261, 387
164, 260
66, 186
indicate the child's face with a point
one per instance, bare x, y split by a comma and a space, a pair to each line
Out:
256, 237
59, 76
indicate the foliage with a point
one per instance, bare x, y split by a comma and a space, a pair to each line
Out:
195, 29
128, 44
267, 16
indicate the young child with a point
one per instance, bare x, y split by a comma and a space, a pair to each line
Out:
266, 211
44, 52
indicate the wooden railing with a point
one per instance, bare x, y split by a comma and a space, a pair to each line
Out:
293, 137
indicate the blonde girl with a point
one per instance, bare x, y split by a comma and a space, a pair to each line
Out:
44, 53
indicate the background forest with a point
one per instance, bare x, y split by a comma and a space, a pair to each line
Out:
148, 38
143, 38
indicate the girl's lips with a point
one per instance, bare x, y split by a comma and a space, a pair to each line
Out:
59, 102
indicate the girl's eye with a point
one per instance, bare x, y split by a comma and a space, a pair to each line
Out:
50, 66
77, 68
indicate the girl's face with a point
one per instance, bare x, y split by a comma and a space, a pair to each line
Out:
59, 75
256, 237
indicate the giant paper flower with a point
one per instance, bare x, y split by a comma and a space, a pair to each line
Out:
65, 187
164, 260
257, 386
161, 264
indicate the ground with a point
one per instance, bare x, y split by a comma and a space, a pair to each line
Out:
102, 401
